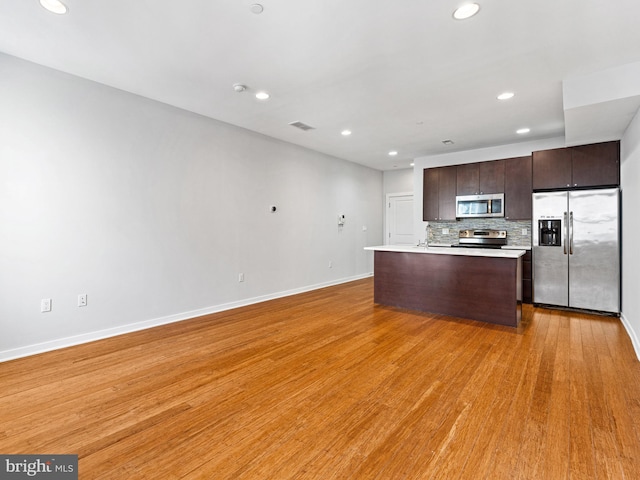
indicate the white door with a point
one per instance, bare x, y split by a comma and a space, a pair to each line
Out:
400, 219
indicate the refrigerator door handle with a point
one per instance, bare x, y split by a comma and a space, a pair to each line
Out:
566, 236
571, 233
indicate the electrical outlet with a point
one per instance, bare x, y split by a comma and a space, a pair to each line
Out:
525, 231
82, 300
241, 277
445, 231
45, 305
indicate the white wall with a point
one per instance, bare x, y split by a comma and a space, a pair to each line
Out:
397, 181
630, 183
154, 211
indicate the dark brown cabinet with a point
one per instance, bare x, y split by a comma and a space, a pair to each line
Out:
517, 188
467, 179
596, 164
439, 194
479, 178
492, 176
527, 289
592, 165
430, 189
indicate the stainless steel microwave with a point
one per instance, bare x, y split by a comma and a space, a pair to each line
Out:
478, 206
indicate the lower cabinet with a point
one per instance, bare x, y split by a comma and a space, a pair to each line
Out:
527, 290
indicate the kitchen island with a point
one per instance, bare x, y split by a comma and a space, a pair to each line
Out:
475, 283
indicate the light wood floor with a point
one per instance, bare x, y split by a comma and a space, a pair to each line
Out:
327, 385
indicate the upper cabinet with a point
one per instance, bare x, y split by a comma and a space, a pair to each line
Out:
467, 179
596, 164
439, 194
592, 165
517, 188
480, 178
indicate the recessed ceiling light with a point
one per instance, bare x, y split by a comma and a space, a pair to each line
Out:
393, 153
411, 164
447, 142
238, 87
505, 96
257, 8
345, 133
55, 6
522, 131
466, 11
262, 96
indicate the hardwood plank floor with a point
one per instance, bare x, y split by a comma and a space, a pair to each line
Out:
328, 385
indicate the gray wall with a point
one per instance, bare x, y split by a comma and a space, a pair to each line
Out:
398, 181
630, 180
153, 212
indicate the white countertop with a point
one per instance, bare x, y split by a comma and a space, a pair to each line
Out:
469, 252
517, 247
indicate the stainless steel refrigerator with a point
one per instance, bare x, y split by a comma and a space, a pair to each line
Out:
576, 249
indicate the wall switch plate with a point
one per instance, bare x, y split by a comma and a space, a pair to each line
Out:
445, 231
330, 264
45, 305
241, 277
525, 231
82, 300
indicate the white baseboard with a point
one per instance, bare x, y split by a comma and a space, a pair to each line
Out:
28, 350
632, 335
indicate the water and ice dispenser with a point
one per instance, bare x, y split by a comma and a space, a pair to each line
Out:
549, 233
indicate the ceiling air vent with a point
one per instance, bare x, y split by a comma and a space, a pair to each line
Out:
301, 126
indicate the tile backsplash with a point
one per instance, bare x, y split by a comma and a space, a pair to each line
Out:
515, 229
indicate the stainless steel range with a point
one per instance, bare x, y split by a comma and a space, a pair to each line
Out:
482, 238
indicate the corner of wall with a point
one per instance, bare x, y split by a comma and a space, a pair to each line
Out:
632, 335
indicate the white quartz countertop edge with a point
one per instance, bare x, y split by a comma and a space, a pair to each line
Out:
469, 252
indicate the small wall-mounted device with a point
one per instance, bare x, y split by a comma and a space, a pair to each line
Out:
272, 208
341, 219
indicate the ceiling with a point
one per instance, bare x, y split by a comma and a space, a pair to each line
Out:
401, 75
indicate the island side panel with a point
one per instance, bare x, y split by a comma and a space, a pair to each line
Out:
479, 288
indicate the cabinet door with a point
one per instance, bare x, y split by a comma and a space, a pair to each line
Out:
517, 188
552, 169
430, 196
527, 292
596, 165
447, 193
492, 176
468, 179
